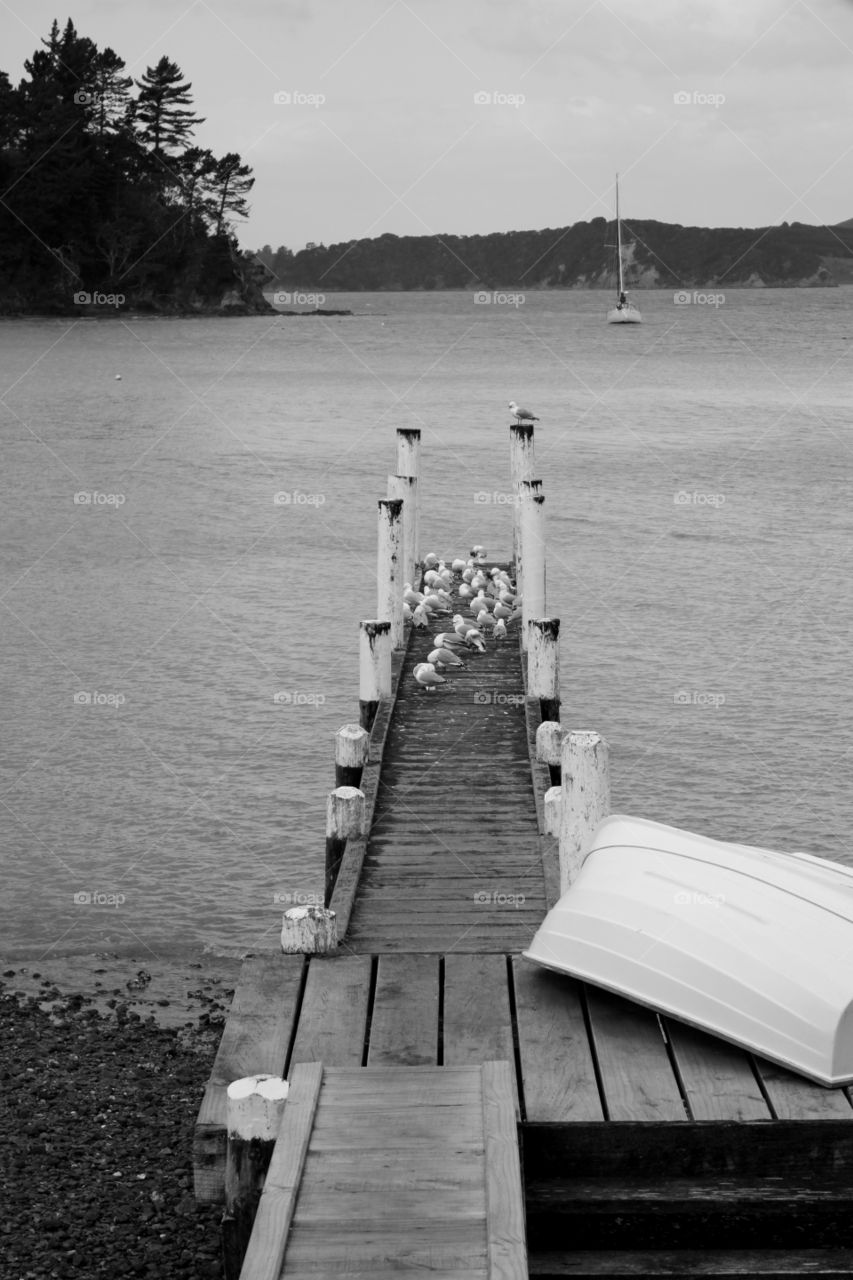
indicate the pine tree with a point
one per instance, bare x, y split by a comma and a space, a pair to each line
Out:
162, 108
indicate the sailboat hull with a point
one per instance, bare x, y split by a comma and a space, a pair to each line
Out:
624, 315
749, 944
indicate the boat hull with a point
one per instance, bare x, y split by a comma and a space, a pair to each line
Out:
751, 945
624, 315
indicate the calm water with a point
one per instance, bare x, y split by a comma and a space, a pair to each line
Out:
706, 637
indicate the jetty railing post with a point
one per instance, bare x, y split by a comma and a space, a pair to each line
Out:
374, 668
405, 488
543, 665
390, 587
409, 464
521, 467
585, 799
255, 1106
345, 810
309, 931
352, 745
532, 557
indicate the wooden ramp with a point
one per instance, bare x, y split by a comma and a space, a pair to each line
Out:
393, 1170
453, 859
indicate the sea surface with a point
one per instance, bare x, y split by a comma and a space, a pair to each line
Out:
155, 792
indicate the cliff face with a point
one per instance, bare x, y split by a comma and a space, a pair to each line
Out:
657, 255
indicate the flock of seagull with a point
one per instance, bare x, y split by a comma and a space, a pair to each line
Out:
489, 595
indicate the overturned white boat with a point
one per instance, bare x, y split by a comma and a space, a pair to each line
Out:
751, 945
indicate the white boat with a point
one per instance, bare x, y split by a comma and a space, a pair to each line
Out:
624, 312
750, 945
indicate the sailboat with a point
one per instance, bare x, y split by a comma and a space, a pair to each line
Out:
624, 312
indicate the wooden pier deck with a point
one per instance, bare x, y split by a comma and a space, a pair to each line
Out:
647, 1147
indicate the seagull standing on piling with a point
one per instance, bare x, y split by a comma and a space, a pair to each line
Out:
522, 415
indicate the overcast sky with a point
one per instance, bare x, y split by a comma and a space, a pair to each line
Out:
715, 112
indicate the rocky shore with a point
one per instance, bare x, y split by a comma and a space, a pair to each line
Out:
100, 1088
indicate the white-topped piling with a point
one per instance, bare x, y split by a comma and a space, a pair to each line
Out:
521, 467
254, 1109
345, 818
543, 665
409, 464
389, 582
585, 798
532, 557
405, 489
309, 931
352, 745
374, 668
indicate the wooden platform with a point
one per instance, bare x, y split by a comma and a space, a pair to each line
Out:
579, 1055
389, 1171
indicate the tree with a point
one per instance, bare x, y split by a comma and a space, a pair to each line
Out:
162, 108
229, 183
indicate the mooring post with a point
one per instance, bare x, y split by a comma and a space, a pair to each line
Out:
543, 665
309, 931
352, 745
389, 583
532, 557
374, 668
405, 489
345, 809
254, 1107
585, 798
553, 809
549, 743
521, 467
409, 464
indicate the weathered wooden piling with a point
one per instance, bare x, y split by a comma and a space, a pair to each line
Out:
543, 665
585, 799
374, 668
255, 1105
553, 810
404, 488
388, 577
344, 820
409, 464
532, 557
352, 745
309, 931
521, 467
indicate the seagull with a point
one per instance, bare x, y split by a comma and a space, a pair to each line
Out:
447, 640
445, 658
500, 629
420, 616
427, 676
522, 415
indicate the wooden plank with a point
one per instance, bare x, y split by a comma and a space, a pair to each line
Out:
507, 1252
717, 1077
404, 1025
557, 1068
254, 1042
637, 1079
430, 1248
347, 884
266, 1250
772, 1264
333, 1018
477, 1022
792, 1097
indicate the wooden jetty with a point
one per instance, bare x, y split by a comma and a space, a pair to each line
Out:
453, 1109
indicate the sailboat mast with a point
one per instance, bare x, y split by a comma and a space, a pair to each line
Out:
618, 239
